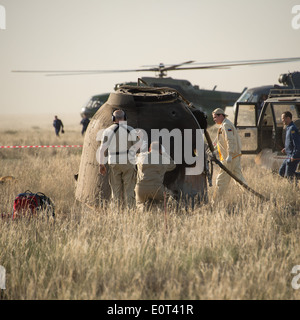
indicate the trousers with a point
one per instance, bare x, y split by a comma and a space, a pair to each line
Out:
223, 178
122, 180
144, 193
288, 169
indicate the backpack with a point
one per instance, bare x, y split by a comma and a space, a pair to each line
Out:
29, 203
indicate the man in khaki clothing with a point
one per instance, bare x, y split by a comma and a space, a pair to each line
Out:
229, 149
152, 167
118, 140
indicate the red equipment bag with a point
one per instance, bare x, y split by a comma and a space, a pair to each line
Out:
30, 204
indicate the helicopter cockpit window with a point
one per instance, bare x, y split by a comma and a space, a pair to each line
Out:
255, 98
249, 96
246, 116
245, 97
93, 104
96, 104
89, 104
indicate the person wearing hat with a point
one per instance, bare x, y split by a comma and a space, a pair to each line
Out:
229, 150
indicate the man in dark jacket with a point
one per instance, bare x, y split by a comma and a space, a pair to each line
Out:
291, 149
84, 122
57, 124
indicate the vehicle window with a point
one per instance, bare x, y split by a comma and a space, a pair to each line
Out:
255, 97
96, 104
246, 115
245, 97
249, 97
267, 116
89, 103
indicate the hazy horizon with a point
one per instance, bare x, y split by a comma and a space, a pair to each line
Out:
14, 122
118, 35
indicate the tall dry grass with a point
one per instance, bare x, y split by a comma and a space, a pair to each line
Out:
240, 248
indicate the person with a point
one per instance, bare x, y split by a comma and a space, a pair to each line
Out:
84, 122
151, 169
261, 102
229, 150
291, 148
118, 141
58, 125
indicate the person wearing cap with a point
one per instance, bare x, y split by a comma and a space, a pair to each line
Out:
229, 150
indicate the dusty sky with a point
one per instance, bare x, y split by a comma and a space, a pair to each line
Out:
119, 34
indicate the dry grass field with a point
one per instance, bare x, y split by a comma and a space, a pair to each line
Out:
240, 248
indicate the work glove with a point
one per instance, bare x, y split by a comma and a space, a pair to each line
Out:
229, 159
102, 170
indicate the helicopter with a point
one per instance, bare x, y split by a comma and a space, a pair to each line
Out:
205, 100
258, 95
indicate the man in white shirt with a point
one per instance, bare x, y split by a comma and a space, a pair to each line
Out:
118, 140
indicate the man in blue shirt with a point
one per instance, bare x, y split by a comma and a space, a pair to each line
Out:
57, 124
291, 149
84, 122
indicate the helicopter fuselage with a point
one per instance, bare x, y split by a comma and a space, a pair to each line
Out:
205, 100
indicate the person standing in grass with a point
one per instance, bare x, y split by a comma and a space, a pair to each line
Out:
291, 148
84, 122
117, 141
58, 126
229, 149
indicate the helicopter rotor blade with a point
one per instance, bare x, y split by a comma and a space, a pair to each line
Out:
161, 68
82, 72
175, 66
275, 60
168, 65
66, 72
228, 64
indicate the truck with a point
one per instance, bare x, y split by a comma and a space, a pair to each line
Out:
260, 127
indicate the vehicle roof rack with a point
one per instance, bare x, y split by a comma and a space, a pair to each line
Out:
284, 93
